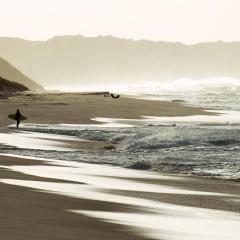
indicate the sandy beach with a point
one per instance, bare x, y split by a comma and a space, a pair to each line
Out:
43, 199
81, 108
119, 120
37, 211
30, 214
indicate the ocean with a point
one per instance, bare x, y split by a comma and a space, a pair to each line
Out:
206, 146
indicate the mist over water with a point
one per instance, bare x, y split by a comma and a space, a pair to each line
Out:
218, 93
215, 93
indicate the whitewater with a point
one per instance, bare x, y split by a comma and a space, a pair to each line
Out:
206, 146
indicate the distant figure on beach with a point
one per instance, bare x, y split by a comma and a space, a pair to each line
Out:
18, 117
115, 96
112, 95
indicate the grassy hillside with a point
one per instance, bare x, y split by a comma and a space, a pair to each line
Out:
7, 71
9, 86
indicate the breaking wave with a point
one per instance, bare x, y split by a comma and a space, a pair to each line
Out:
218, 93
190, 148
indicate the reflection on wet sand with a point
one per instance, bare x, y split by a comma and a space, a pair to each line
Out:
151, 218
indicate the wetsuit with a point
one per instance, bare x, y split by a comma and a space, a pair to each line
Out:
18, 116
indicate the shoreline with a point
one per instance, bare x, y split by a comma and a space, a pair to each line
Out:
75, 108
72, 200
28, 209
27, 178
64, 143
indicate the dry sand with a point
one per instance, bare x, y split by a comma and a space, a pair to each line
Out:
78, 108
27, 214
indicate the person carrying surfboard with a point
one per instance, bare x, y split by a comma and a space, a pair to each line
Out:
18, 117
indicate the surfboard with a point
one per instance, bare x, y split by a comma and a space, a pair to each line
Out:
13, 117
115, 96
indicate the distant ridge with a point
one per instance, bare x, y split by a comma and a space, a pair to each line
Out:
80, 60
9, 86
7, 71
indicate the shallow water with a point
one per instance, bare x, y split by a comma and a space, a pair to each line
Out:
150, 218
191, 148
206, 146
90, 177
36, 141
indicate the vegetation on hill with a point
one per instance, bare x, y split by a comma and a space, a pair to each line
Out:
9, 86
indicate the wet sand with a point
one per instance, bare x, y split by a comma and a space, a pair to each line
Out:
29, 212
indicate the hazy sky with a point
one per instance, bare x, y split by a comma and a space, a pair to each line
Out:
188, 21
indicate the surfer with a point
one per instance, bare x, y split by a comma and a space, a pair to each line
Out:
18, 116
115, 96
